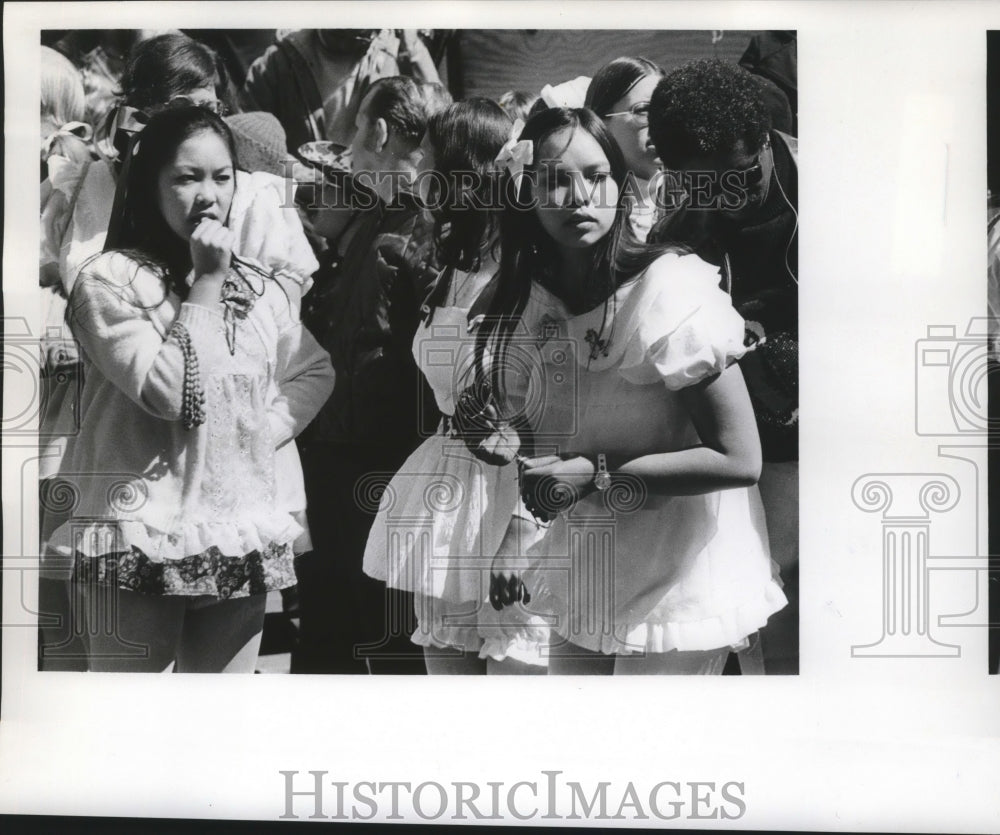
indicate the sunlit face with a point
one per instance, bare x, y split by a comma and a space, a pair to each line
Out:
363, 145
631, 129
197, 184
576, 196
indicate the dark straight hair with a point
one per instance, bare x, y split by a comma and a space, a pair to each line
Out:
613, 81
527, 252
466, 138
166, 66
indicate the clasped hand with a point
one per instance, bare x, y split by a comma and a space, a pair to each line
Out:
552, 484
211, 248
211, 254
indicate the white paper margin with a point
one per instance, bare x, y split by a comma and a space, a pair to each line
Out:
892, 196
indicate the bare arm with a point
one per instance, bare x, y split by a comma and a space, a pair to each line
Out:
728, 456
729, 453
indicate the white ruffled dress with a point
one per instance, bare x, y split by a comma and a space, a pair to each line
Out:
624, 571
444, 514
160, 509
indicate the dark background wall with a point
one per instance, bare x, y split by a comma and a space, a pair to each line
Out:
488, 62
477, 62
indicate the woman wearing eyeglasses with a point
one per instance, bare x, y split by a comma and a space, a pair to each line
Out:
619, 93
164, 72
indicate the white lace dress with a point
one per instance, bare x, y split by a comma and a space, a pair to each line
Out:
157, 508
75, 213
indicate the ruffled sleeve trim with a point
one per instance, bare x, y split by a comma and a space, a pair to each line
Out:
679, 327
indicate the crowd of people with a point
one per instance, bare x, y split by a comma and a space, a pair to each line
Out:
481, 387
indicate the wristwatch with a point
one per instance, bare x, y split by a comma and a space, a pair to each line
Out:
602, 478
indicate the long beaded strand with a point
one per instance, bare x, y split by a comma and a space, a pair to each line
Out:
193, 394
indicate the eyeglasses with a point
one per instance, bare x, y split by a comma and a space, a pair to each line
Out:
639, 110
751, 176
216, 106
706, 186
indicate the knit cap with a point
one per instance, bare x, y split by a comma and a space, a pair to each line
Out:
260, 143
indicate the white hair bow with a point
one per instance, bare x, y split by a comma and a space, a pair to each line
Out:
515, 154
570, 93
79, 130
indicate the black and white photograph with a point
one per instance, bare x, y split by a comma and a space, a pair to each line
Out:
435, 366
496, 372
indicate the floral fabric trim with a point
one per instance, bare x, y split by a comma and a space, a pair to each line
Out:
207, 573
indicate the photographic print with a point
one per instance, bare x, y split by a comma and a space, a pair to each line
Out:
585, 500
428, 368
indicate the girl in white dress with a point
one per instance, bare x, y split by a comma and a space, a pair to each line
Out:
443, 515
196, 370
649, 546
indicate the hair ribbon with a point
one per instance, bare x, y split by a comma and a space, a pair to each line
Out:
515, 155
79, 130
570, 93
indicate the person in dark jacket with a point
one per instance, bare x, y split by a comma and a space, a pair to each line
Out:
314, 80
364, 310
773, 57
735, 183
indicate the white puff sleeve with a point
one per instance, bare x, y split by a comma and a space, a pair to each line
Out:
119, 314
268, 228
684, 327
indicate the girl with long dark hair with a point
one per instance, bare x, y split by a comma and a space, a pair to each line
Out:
445, 512
79, 202
196, 370
647, 546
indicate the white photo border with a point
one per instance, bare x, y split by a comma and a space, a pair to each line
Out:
892, 242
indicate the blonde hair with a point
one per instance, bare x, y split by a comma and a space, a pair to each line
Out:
63, 99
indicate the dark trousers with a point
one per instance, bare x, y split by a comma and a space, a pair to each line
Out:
349, 623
